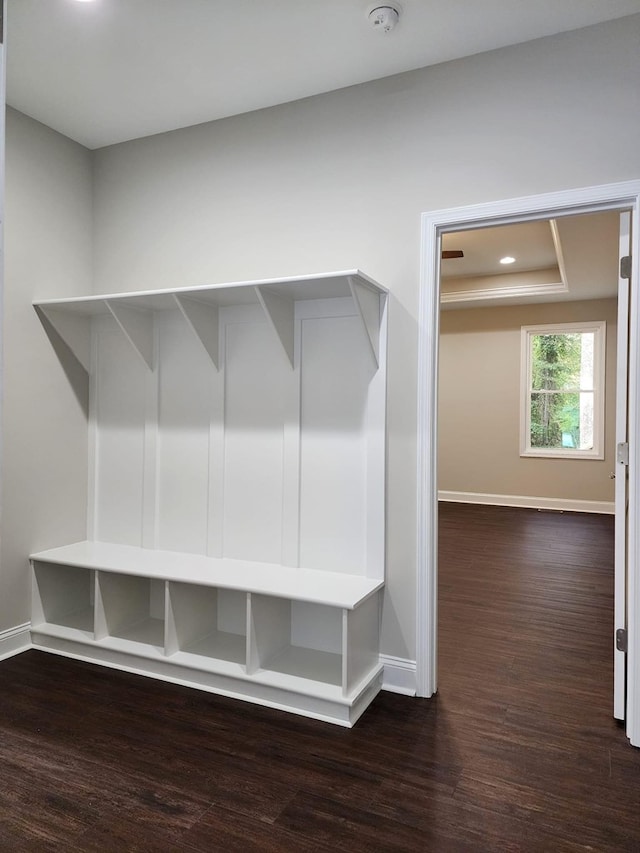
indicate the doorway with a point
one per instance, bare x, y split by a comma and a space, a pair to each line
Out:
593, 199
525, 517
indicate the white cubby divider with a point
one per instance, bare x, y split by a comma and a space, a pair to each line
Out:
236, 497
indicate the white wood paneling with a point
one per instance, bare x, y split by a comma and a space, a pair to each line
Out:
255, 392
211, 562
185, 381
335, 374
120, 402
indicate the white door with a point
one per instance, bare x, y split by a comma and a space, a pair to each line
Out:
621, 477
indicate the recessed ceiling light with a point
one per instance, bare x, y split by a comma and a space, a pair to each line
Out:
507, 260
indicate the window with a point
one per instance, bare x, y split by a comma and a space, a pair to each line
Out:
563, 391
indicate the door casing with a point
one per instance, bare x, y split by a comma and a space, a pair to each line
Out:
619, 196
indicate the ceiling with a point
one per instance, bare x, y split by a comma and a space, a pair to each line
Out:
529, 243
569, 258
107, 71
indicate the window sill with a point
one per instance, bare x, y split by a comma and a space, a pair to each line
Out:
549, 453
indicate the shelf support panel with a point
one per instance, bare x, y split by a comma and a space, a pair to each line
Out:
367, 302
280, 311
202, 318
137, 325
73, 329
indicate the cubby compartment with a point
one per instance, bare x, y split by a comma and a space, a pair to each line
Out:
207, 623
63, 596
296, 639
131, 608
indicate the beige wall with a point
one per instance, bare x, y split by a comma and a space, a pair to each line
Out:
48, 202
340, 181
479, 406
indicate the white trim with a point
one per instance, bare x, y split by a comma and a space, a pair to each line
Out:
15, 640
621, 475
557, 245
399, 675
515, 292
625, 195
528, 502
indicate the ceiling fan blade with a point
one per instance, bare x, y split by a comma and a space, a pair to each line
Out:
450, 254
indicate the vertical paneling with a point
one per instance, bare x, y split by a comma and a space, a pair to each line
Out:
255, 369
185, 381
336, 369
119, 400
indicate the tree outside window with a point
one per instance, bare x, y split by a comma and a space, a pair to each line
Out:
563, 390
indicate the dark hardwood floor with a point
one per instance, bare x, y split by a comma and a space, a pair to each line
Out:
518, 752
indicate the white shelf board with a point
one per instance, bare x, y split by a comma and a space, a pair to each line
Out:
314, 286
334, 589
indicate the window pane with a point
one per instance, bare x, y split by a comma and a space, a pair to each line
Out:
562, 420
562, 362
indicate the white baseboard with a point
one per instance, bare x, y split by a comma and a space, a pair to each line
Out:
558, 504
399, 675
15, 640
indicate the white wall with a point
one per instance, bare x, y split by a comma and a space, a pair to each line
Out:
333, 182
479, 406
340, 180
48, 205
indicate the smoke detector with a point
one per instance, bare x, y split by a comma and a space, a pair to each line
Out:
384, 18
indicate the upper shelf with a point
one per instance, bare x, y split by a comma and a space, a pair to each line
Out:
133, 311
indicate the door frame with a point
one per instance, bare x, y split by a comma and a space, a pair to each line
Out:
619, 196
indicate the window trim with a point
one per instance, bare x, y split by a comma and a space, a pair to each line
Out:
598, 327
